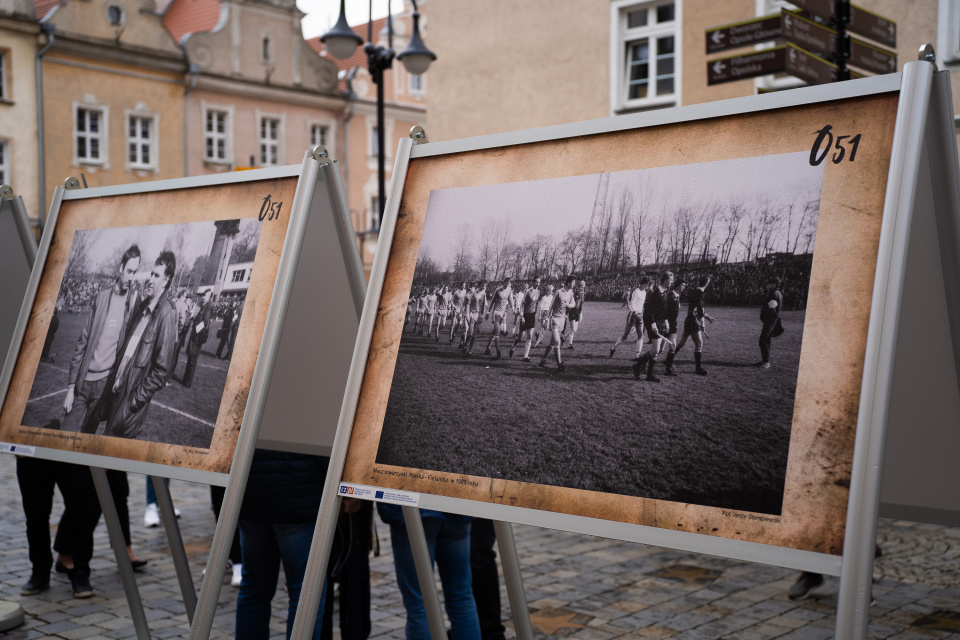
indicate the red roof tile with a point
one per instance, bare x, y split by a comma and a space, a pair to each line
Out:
43, 7
191, 16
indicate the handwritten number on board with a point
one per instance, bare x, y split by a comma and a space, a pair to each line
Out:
269, 210
826, 142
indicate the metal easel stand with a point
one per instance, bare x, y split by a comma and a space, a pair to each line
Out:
22, 220
175, 541
202, 623
923, 166
120, 551
510, 562
323, 535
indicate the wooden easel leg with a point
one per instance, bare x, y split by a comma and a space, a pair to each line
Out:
513, 579
169, 518
428, 586
115, 533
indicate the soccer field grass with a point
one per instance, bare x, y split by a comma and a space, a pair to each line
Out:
718, 440
176, 415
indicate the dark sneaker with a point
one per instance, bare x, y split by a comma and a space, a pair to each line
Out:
80, 581
486, 351
561, 368
806, 583
701, 372
637, 368
511, 353
36, 584
543, 363
526, 359
612, 351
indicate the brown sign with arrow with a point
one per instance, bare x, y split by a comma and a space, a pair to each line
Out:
811, 68
743, 34
749, 65
862, 21
806, 33
872, 58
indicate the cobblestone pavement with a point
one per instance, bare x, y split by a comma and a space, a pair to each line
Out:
577, 586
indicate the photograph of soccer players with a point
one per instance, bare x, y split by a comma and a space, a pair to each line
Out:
566, 271
134, 357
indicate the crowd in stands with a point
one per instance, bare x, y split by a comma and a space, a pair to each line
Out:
733, 284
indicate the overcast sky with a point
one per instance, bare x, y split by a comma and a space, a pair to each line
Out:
323, 14
198, 239
556, 206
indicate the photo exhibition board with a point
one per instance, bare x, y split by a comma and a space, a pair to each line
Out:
319, 332
16, 273
153, 300
793, 194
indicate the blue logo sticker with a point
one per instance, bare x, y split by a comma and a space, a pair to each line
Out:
343, 489
379, 495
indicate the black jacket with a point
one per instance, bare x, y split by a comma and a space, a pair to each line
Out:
284, 488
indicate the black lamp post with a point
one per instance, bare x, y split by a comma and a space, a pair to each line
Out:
341, 41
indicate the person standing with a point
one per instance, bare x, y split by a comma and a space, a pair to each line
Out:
147, 356
693, 325
199, 331
769, 316
98, 344
224, 331
562, 302
502, 302
635, 302
527, 309
654, 311
235, 327
185, 310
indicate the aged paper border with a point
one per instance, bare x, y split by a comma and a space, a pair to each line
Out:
198, 204
835, 332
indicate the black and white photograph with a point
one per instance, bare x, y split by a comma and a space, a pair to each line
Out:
143, 331
634, 333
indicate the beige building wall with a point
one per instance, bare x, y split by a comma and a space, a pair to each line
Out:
18, 110
71, 82
505, 65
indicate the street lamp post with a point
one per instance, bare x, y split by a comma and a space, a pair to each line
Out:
341, 42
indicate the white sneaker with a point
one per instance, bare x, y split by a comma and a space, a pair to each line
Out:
237, 575
151, 517
176, 512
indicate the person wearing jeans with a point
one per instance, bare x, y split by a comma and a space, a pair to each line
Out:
448, 540
277, 519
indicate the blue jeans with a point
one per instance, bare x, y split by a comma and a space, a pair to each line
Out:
152, 492
264, 546
449, 545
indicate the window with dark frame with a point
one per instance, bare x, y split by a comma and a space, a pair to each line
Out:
318, 134
89, 134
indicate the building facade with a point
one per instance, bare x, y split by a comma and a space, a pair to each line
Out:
113, 93
596, 58
19, 156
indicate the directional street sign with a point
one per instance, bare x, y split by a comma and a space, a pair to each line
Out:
808, 34
749, 65
863, 22
866, 23
811, 68
743, 34
871, 58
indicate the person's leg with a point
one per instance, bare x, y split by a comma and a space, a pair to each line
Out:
216, 501
36, 492
293, 543
261, 568
355, 582
417, 627
80, 515
765, 343
697, 353
120, 490
452, 552
486, 583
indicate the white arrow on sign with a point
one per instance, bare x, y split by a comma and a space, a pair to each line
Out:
717, 37
719, 67
787, 20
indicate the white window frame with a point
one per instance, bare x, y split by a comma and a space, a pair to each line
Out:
620, 35
4, 75
275, 142
5, 163
103, 135
948, 32
373, 148
227, 134
329, 125
422, 89
153, 141
772, 82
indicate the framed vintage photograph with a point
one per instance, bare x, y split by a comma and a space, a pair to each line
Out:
654, 320
147, 319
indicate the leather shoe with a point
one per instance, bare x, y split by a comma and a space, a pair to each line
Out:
35, 585
80, 581
61, 568
138, 564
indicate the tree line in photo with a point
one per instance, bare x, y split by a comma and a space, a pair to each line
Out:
738, 243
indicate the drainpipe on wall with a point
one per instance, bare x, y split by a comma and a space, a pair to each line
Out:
48, 29
192, 70
351, 99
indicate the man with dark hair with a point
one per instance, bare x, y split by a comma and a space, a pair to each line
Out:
769, 316
654, 311
147, 356
99, 343
562, 303
635, 302
199, 331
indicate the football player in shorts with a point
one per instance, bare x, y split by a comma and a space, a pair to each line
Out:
527, 311
444, 305
576, 313
672, 306
411, 307
476, 307
543, 315
431, 310
459, 313
654, 312
421, 311
562, 303
634, 303
693, 324
501, 302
